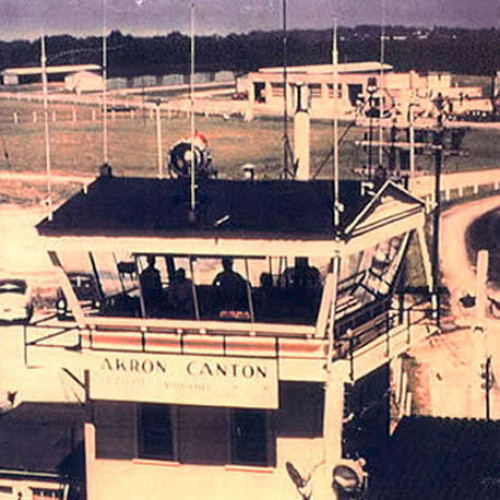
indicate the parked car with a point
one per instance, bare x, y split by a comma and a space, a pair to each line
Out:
86, 290
16, 305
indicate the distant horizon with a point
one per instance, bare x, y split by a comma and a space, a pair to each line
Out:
36, 37
26, 19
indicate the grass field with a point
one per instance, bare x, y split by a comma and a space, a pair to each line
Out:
76, 146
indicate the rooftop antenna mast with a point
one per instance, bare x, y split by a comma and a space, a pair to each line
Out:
380, 86
104, 85
192, 117
43, 61
285, 93
337, 208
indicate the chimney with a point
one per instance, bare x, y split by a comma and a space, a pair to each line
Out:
302, 133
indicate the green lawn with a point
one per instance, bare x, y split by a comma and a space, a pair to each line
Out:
76, 147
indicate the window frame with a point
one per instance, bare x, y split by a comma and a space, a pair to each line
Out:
269, 440
173, 416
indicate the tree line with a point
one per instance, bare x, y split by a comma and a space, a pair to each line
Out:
463, 51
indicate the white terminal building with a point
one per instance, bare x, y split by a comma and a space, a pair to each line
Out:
223, 347
265, 88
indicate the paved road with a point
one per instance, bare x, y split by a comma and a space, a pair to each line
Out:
37, 177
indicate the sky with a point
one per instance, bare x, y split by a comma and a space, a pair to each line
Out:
28, 18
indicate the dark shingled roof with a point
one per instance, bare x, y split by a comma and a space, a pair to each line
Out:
148, 206
440, 458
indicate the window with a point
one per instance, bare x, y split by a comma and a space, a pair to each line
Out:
155, 432
301, 410
330, 90
42, 493
278, 289
315, 90
206, 435
250, 438
277, 89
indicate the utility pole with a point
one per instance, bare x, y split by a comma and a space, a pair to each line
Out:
104, 86
285, 96
43, 61
159, 145
382, 85
192, 115
337, 206
411, 116
438, 155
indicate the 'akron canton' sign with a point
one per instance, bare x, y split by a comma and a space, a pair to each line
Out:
189, 380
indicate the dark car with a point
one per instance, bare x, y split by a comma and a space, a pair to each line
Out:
86, 291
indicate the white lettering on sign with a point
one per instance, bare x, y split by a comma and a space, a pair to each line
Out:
178, 379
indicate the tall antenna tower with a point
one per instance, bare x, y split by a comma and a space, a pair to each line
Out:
337, 207
285, 92
105, 85
43, 62
192, 116
381, 84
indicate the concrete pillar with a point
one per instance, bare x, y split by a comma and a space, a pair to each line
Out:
332, 430
159, 148
302, 133
89, 433
268, 96
251, 93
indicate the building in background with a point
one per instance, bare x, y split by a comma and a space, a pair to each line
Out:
393, 90
83, 81
16, 76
